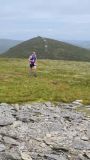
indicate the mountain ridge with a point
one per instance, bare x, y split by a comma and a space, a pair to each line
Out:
5, 44
80, 43
47, 48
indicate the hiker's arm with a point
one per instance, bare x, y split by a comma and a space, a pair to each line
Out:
29, 59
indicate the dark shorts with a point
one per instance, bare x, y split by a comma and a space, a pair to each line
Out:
31, 65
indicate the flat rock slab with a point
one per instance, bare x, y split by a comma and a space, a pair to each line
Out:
6, 115
43, 131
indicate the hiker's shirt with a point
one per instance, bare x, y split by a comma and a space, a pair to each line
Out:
32, 60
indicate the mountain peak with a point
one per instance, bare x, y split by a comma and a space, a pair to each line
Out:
48, 49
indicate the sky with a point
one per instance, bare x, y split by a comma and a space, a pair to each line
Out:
58, 19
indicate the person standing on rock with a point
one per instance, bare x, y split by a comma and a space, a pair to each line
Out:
32, 63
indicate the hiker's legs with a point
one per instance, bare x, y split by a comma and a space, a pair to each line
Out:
30, 70
34, 71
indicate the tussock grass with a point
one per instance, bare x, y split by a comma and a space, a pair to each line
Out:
57, 80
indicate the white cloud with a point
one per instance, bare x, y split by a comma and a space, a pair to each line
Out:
50, 17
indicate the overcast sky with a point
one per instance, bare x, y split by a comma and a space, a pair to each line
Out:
59, 19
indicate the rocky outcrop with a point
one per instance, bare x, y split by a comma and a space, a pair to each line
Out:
43, 131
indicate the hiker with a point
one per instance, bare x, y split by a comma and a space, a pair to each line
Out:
32, 63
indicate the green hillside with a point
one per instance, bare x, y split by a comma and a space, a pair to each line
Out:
48, 49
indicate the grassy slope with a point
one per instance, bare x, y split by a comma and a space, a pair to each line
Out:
55, 50
57, 81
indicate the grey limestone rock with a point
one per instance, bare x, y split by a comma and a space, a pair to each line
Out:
43, 131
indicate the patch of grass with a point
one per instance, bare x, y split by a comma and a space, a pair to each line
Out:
57, 80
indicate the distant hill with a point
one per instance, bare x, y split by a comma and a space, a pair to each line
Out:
83, 44
48, 49
5, 44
